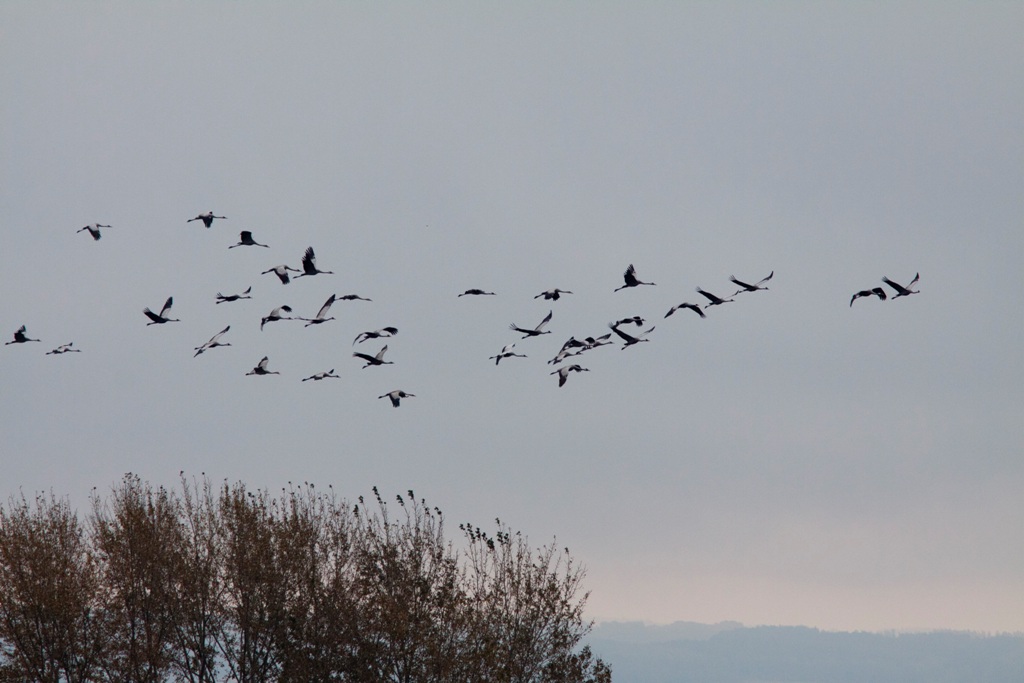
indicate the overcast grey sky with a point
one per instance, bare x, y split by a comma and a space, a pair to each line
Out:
788, 460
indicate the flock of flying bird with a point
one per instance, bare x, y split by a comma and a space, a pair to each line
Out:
571, 348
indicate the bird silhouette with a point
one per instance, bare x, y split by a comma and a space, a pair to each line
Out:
94, 230
537, 331
321, 316
744, 287
477, 292
353, 297
900, 289
261, 368
877, 291
161, 317
396, 396
374, 360
309, 265
63, 348
693, 307
552, 294
321, 375
206, 218
506, 352
246, 240
221, 298
563, 372
282, 273
629, 338
275, 315
214, 342
715, 301
19, 337
631, 280
375, 334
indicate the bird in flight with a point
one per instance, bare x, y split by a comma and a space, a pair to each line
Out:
234, 297
161, 317
877, 291
321, 375
321, 317
214, 342
535, 332
634, 320
206, 218
94, 230
744, 287
309, 265
476, 292
631, 280
506, 352
900, 289
246, 240
353, 297
629, 338
563, 372
375, 334
552, 294
276, 315
19, 337
282, 273
374, 360
396, 396
715, 301
693, 307
261, 368
63, 348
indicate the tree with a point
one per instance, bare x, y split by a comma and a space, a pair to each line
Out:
49, 584
227, 584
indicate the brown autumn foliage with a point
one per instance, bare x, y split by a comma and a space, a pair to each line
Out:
221, 583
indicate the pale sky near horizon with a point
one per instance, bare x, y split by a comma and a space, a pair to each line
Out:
789, 460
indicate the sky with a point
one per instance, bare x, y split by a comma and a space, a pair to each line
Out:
790, 459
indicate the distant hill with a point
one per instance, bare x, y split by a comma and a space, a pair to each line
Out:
728, 652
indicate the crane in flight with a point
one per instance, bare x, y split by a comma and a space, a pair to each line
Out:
309, 265
693, 307
353, 297
535, 332
246, 240
374, 360
563, 372
744, 287
629, 338
900, 289
321, 316
161, 317
94, 230
63, 348
631, 280
876, 291
20, 337
282, 273
261, 368
214, 342
506, 352
276, 314
321, 375
477, 292
396, 396
375, 334
715, 301
206, 218
221, 298
552, 294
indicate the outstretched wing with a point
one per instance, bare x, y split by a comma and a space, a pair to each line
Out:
544, 322
628, 338
309, 261
167, 306
326, 307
